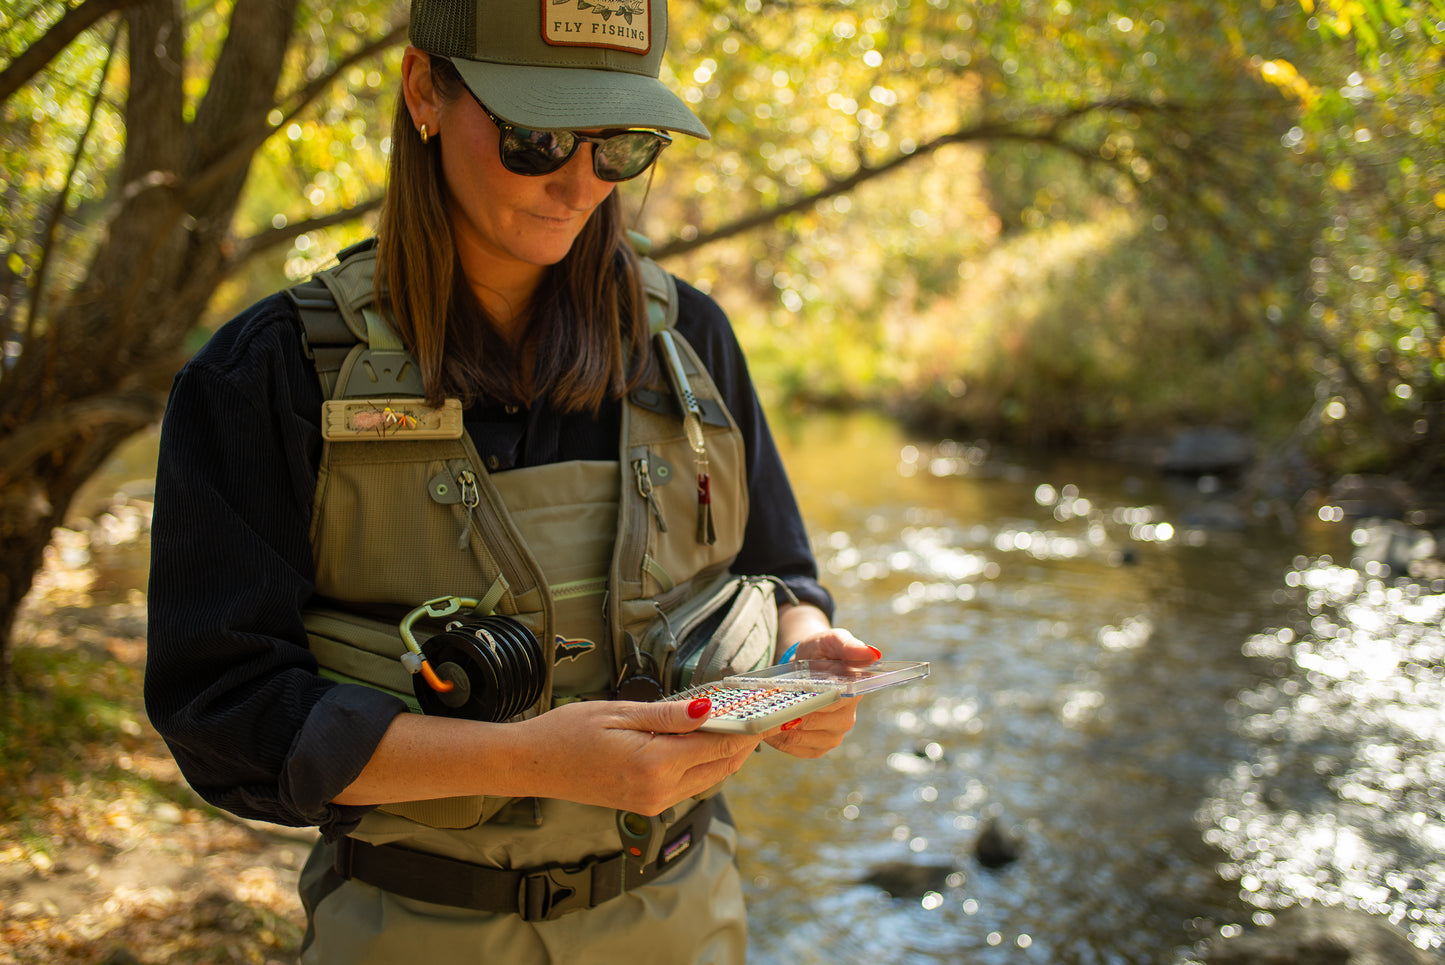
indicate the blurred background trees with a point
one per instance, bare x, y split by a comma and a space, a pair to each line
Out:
1047, 222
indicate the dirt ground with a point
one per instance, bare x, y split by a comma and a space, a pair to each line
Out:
112, 858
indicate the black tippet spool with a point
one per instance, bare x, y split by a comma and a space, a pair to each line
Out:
494, 662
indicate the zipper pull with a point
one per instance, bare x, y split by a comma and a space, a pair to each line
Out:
706, 533
692, 427
471, 496
644, 487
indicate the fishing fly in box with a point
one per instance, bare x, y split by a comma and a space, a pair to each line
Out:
754, 702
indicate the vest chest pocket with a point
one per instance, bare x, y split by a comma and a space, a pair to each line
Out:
396, 527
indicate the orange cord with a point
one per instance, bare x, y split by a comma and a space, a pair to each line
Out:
436, 683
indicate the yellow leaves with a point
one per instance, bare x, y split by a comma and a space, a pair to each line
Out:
1283, 75
1440, 199
1367, 20
1236, 39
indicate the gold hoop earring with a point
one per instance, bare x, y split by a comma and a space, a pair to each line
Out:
424, 135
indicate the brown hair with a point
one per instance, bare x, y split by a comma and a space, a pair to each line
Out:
586, 330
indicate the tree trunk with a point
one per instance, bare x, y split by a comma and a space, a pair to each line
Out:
96, 368
33, 505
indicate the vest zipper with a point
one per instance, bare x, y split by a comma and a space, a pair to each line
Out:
499, 540
644, 486
579, 588
471, 497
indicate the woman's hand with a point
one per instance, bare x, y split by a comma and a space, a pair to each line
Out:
819, 732
633, 756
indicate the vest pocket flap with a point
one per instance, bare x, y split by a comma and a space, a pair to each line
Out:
745, 637
453, 813
663, 404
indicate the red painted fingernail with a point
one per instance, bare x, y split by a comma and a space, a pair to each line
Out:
699, 707
792, 723
877, 654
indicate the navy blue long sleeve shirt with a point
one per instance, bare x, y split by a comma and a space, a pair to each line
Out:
230, 681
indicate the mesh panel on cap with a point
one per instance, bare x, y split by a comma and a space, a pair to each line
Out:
446, 27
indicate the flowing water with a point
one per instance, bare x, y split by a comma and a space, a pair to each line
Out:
1181, 722
1184, 721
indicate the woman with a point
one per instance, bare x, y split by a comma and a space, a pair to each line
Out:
298, 516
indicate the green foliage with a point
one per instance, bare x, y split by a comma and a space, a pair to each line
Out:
333, 157
1260, 181
326, 155
1057, 114
58, 148
1371, 136
1190, 212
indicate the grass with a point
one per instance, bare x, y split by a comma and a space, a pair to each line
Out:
60, 709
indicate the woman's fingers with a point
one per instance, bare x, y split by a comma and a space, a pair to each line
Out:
817, 733
836, 643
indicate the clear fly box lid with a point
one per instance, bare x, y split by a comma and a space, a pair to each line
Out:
851, 679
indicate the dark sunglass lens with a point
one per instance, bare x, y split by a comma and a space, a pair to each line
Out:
624, 156
536, 152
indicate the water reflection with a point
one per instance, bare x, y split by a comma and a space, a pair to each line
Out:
1343, 798
1094, 637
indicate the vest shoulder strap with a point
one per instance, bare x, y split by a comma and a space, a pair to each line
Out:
661, 290
353, 349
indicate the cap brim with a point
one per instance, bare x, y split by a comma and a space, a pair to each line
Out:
570, 97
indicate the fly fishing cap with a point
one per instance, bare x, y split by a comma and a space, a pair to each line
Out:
555, 64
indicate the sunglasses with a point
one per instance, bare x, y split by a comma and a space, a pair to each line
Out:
618, 156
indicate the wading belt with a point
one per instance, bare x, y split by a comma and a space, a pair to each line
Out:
537, 894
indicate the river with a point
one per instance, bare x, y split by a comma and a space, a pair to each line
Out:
1186, 722
1181, 721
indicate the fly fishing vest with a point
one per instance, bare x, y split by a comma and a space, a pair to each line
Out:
619, 569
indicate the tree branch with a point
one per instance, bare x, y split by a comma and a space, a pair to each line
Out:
1042, 129
239, 95
274, 237
34, 58
55, 427
62, 197
299, 100
831, 189
243, 148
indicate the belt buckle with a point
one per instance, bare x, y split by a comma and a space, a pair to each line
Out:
555, 891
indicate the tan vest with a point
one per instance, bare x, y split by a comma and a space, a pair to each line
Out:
586, 554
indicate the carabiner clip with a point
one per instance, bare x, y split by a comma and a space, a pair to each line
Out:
413, 659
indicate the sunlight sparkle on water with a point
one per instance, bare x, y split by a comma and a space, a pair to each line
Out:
1362, 710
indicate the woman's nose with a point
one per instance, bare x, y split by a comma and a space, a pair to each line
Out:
577, 184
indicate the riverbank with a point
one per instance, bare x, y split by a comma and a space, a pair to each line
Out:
106, 855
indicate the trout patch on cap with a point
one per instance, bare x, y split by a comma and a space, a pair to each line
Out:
616, 24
